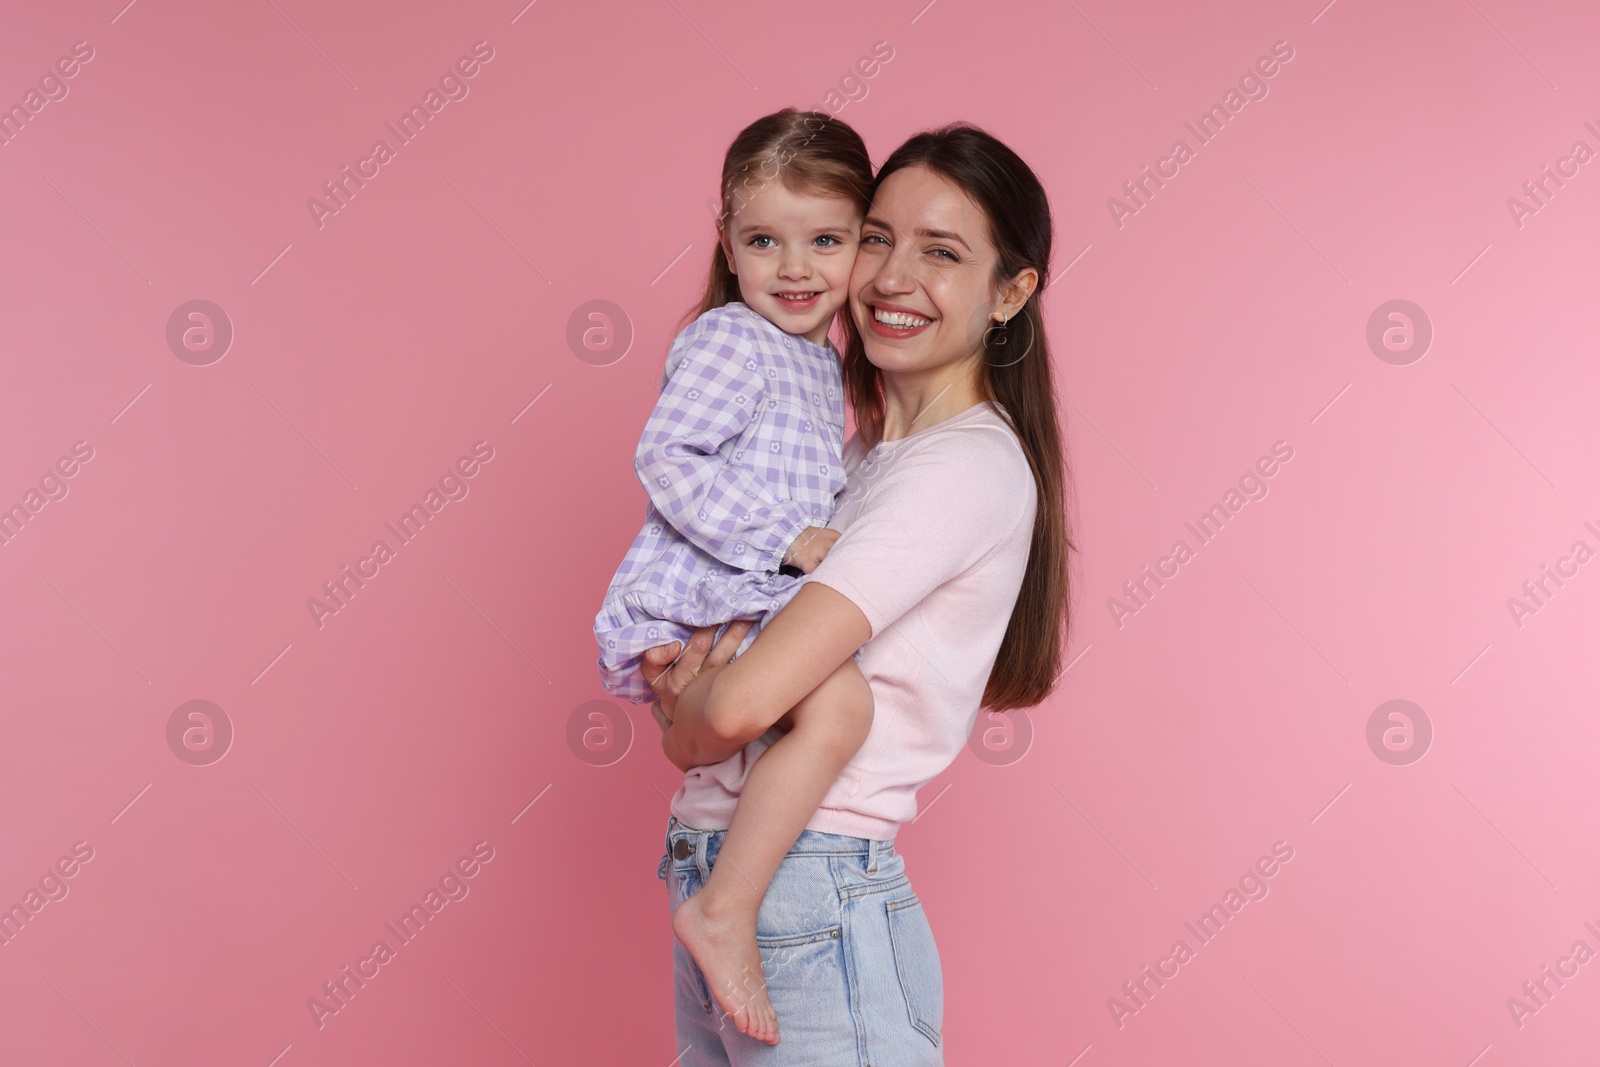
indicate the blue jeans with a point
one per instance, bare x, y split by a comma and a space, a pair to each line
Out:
850, 960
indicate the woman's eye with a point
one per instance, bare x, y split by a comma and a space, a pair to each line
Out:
873, 238
943, 252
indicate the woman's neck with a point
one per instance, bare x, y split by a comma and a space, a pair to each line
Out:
913, 402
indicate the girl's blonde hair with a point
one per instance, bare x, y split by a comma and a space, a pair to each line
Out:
810, 152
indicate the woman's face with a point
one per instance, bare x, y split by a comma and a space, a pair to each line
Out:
921, 289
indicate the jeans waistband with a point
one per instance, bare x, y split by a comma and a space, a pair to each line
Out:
695, 842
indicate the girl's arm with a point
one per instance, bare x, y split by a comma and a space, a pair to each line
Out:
721, 707
714, 388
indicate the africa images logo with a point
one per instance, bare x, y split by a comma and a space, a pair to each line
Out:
452, 87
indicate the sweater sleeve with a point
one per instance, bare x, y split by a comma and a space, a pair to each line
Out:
928, 515
712, 390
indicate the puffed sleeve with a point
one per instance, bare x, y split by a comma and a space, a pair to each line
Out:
711, 390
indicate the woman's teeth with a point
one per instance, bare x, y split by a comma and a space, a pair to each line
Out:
899, 319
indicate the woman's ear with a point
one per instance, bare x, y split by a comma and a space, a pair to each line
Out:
1017, 291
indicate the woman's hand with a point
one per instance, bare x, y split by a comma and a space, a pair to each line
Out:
669, 679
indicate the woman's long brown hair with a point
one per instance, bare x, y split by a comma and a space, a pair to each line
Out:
1020, 227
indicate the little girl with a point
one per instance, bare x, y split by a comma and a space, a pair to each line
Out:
741, 459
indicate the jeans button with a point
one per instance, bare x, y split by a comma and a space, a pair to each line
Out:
682, 848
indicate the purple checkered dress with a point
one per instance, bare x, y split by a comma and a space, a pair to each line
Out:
742, 453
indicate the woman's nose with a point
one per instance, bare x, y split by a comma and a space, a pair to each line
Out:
896, 275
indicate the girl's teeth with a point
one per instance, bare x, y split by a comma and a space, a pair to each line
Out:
899, 319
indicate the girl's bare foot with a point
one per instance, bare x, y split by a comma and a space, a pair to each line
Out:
725, 948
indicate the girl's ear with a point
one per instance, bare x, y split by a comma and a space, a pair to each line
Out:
727, 249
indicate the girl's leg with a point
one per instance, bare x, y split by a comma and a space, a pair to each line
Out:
781, 792
698, 1030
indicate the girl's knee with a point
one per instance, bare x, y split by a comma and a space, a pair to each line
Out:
856, 694
851, 710
840, 709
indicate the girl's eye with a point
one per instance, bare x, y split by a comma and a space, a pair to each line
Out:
759, 237
828, 237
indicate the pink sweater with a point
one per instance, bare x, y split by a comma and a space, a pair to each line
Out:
935, 533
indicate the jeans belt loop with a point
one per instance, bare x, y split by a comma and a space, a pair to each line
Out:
701, 848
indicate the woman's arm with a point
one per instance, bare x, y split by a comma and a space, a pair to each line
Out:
720, 706
942, 503
670, 673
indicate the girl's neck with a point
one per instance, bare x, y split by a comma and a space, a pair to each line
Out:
915, 401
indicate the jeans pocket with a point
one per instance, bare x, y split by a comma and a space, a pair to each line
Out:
806, 968
916, 960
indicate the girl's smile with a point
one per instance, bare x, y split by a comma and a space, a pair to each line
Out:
792, 254
798, 302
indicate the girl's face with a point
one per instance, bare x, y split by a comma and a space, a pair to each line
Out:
922, 290
792, 254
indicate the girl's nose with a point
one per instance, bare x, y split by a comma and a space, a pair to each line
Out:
793, 265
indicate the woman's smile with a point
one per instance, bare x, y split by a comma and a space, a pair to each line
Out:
895, 321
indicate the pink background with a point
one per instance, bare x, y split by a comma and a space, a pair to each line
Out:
369, 354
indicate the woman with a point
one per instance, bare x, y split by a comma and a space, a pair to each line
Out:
950, 575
